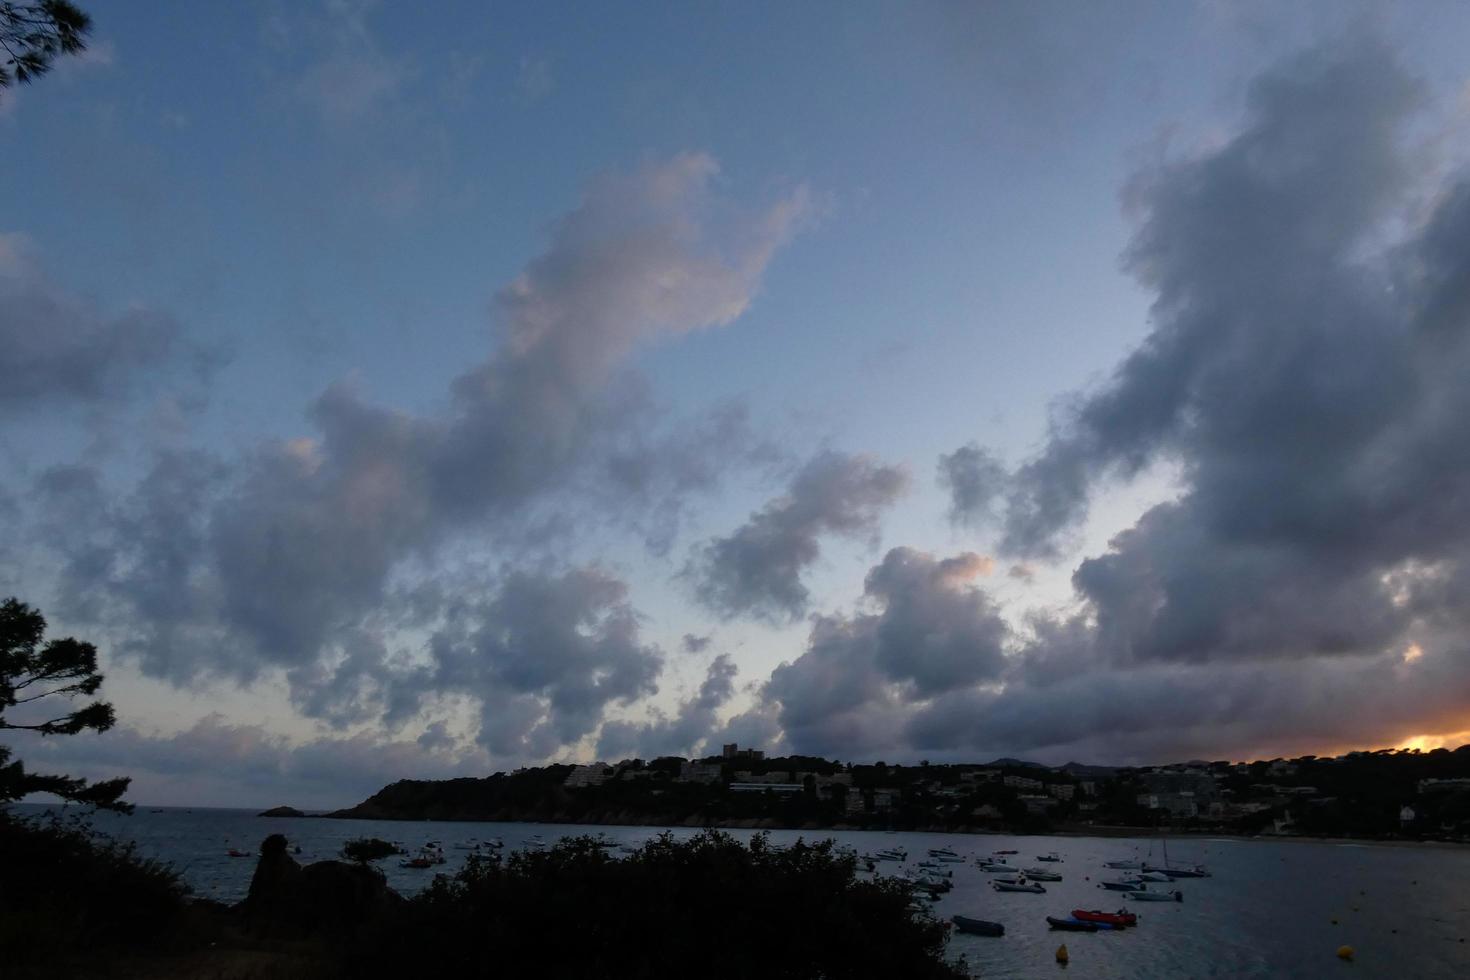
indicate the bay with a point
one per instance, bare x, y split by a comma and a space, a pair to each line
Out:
1268, 910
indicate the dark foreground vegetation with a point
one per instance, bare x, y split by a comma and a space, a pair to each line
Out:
75, 906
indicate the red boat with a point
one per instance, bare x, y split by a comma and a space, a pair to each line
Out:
1117, 919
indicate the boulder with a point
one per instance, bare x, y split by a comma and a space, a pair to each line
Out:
275, 899
333, 897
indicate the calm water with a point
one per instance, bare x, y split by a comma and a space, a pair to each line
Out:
1267, 912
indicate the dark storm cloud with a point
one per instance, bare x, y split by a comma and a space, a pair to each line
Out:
933, 631
541, 657
286, 559
757, 569
56, 349
693, 643
687, 733
1305, 377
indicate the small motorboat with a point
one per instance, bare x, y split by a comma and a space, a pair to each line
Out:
1122, 885
1049, 856
1152, 876
1041, 874
1117, 919
951, 859
417, 862
994, 867
1180, 871
977, 927
1143, 896
1125, 865
234, 853
892, 854
1071, 925
1005, 852
1017, 885
935, 852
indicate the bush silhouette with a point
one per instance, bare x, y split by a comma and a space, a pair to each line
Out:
709, 906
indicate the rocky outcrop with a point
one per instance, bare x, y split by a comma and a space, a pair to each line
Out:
282, 811
328, 897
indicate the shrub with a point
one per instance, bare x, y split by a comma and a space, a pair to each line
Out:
67, 889
709, 906
366, 849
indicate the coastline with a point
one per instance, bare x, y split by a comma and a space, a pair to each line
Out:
768, 823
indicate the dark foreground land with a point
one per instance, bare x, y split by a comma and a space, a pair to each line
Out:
72, 905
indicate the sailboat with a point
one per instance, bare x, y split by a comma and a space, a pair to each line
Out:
1175, 871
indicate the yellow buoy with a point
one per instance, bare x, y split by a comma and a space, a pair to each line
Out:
1344, 952
1062, 956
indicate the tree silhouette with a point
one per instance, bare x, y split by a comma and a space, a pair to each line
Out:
33, 34
32, 674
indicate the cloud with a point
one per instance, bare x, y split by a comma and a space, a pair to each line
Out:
696, 644
687, 733
350, 76
974, 479
757, 569
1304, 373
296, 556
534, 79
58, 350
933, 631
243, 765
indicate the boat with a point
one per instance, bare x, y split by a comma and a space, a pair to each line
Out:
892, 854
1005, 852
993, 867
1049, 856
1017, 885
1152, 876
935, 852
1125, 865
238, 853
417, 862
1181, 871
977, 927
1175, 871
1142, 896
1041, 874
1122, 885
1071, 925
951, 859
1116, 919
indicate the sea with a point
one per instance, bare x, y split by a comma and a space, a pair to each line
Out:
1272, 908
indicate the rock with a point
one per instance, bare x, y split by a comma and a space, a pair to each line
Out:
334, 897
282, 811
274, 902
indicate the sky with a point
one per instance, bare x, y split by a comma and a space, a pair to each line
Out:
391, 395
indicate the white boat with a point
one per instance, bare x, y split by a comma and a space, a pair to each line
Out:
1142, 896
1049, 856
1041, 874
994, 867
935, 852
893, 854
1122, 885
950, 858
1152, 876
1125, 865
1017, 885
